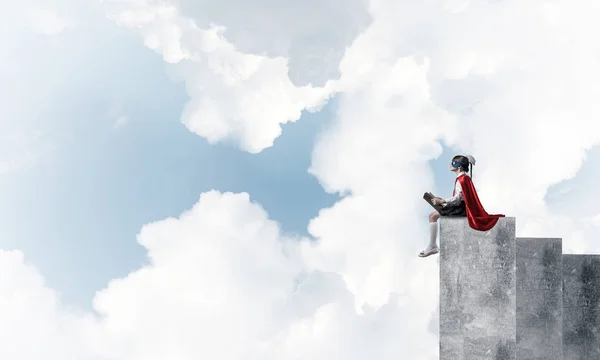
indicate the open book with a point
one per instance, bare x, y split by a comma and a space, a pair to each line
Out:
429, 198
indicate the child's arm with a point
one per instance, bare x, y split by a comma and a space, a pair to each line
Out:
457, 196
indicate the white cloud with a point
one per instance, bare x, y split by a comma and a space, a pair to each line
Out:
243, 95
34, 324
592, 220
582, 235
312, 34
527, 78
221, 282
45, 17
377, 152
222, 274
513, 83
304, 32
46, 20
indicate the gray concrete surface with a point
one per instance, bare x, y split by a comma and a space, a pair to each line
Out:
581, 307
539, 298
477, 291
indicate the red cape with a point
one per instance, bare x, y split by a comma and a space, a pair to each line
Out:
479, 219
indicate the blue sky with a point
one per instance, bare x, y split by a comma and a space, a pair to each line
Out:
102, 184
106, 114
89, 203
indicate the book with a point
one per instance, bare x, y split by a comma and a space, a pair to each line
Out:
429, 198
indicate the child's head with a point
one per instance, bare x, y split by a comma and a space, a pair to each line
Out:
460, 162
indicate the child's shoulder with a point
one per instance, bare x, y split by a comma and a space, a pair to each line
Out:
464, 177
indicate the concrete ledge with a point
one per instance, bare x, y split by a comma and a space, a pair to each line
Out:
581, 306
477, 290
539, 299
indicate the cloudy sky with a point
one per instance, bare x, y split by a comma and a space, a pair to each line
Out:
242, 179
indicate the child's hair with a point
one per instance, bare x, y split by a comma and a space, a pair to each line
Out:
466, 163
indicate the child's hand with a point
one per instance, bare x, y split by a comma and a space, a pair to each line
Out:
437, 201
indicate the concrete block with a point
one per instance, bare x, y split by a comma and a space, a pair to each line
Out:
581, 307
539, 299
477, 291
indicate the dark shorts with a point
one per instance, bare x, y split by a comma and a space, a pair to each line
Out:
458, 209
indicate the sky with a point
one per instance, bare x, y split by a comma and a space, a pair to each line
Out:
178, 177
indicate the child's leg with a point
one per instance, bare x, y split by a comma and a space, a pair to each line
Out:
433, 227
432, 248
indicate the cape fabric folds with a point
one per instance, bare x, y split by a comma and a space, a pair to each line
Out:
478, 218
